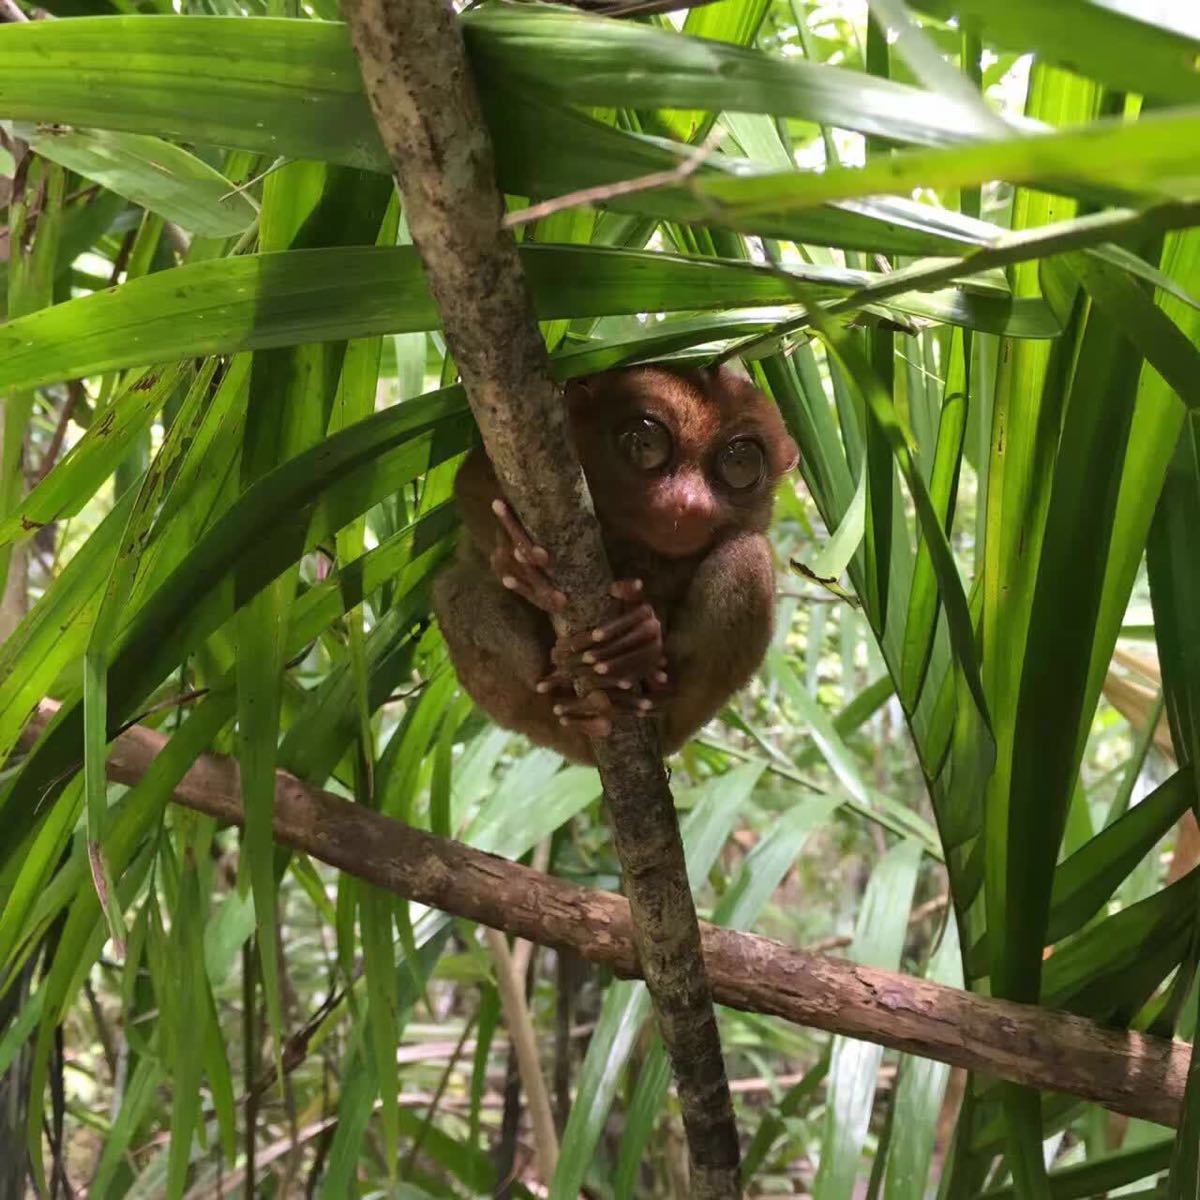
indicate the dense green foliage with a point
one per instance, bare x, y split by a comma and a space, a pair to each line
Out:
964, 259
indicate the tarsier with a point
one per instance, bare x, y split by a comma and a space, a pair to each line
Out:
682, 466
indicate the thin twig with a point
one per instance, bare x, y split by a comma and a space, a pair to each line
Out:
625, 187
636, 8
240, 188
295, 1049
838, 941
436, 1100
189, 697
928, 909
75, 393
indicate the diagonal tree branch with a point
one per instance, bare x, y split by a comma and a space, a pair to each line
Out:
1127, 1072
419, 85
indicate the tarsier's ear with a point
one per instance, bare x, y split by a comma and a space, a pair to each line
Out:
576, 391
790, 455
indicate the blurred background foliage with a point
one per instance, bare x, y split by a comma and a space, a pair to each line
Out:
230, 433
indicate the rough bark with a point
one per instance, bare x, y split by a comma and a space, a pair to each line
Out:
1127, 1072
418, 82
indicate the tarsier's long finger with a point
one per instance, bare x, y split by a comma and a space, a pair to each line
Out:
637, 664
563, 682
527, 581
537, 590
646, 635
629, 590
525, 550
600, 705
593, 727
556, 681
592, 714
589, 639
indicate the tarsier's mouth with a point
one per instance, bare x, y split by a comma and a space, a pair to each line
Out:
683, 540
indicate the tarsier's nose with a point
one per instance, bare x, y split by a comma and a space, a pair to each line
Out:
692, 497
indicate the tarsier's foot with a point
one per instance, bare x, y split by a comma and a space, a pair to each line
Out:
615, 658
520, 565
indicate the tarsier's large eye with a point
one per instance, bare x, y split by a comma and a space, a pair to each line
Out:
741, 463
646, 443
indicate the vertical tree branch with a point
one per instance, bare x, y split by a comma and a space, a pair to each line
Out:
419, 85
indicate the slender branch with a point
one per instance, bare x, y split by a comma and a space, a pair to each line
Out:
75, 394
1127, 1072
419, 86
625, 187
632, 8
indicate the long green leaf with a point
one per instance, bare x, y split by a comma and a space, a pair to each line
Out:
580, 60
1051, 709
1153, 155
283, 87
919, 1094
1175, 591
287, 298
1027, 399
878, 941
154, 173
259, 537
74, 480
1133, 48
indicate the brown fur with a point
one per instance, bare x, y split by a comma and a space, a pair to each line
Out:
698, 546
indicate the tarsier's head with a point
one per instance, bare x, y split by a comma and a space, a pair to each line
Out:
675, 459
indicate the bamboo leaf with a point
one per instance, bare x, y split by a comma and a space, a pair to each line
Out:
1086, 880
1156, 336
187, 952
1101, 1175
836, 554
1051, 711
261, 535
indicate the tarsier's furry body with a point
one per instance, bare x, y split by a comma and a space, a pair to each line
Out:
682, 467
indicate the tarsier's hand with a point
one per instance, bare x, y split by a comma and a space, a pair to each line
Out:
614, 657
521, 566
